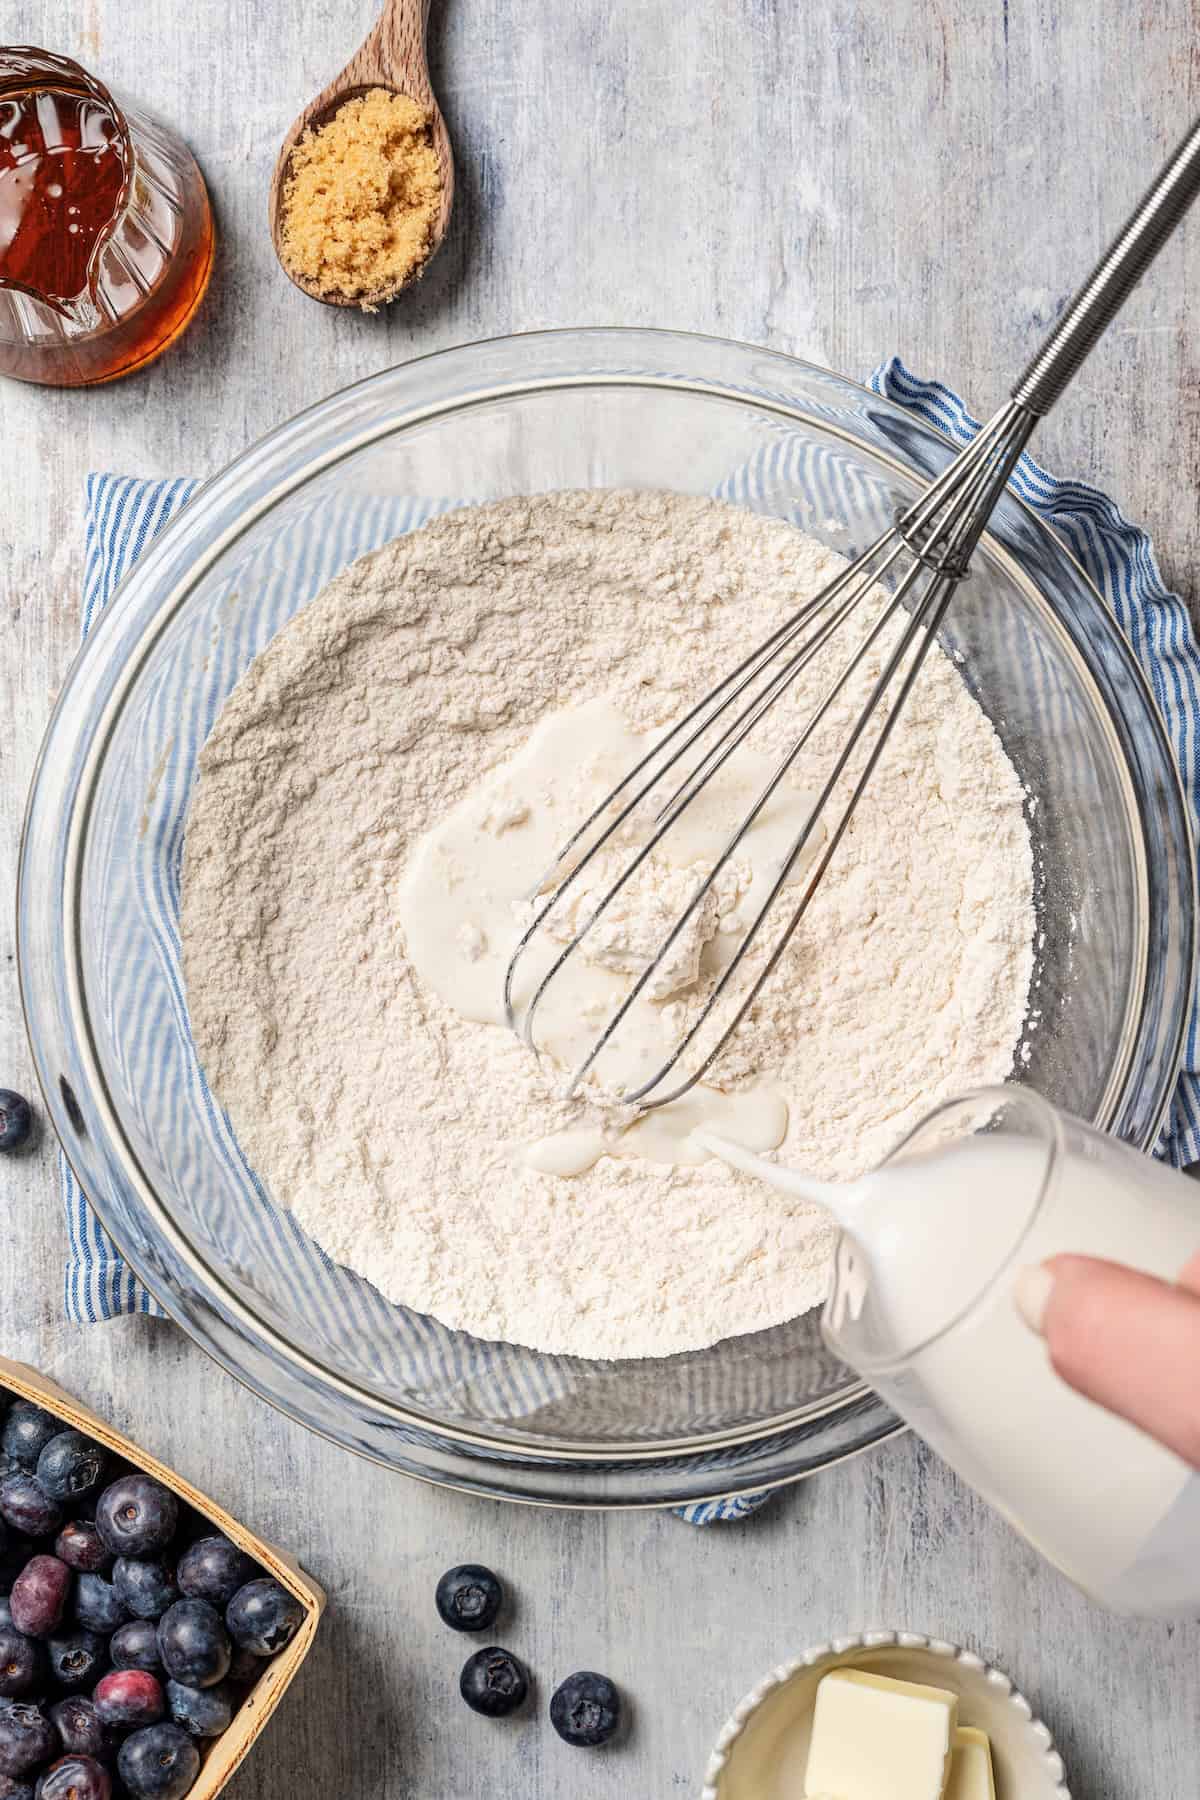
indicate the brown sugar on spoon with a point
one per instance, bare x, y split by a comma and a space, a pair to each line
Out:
362, 199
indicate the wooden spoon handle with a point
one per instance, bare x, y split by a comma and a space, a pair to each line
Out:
393, 54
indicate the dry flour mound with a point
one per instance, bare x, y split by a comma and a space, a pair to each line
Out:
384, 1120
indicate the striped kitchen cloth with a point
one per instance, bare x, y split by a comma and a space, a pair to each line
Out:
124, 514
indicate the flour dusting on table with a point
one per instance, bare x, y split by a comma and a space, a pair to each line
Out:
387, 1122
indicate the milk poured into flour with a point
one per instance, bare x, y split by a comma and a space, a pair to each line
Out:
923, 1306
473, 880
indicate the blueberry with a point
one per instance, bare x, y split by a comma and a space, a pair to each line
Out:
74, 1778
39, 1595
586, 1709
136, 1515
27, 1738
27, 1431
16, 1120
159, 1763
263, 1617
78, 1726
22, 1662
14, 1790
204, 1712
469, 1597
193, 1644
26, 1506
76, 1658
129, 1697
213, 1569
81, 1547
99, 1603
147, 1588
493, 1682
135, 1646
70, 1466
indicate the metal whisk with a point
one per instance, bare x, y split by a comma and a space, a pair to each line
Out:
924, 556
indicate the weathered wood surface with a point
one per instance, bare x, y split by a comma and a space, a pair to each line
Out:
840, 180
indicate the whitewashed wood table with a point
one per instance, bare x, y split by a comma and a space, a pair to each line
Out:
840, 181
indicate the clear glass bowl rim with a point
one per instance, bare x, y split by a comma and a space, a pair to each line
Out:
288, 450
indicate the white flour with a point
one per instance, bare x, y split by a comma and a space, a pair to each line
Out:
386, 1121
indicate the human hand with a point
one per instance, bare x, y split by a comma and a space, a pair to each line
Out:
1124, 1339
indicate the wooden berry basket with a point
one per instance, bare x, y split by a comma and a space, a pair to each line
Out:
229, 1751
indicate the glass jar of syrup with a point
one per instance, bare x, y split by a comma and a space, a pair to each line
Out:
106, 237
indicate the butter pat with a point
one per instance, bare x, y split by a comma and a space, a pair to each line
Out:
970, 1766
878, 1739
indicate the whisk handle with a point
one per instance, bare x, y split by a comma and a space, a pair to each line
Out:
1114, 278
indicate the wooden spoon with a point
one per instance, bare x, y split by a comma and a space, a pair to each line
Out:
394, 57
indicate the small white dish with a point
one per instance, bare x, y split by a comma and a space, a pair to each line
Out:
763, 1749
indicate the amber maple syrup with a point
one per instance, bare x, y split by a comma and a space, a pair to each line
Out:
105, 228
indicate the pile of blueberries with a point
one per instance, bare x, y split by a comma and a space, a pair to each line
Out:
585, 1709
129, 1632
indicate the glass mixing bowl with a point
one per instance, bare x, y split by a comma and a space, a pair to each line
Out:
99, 885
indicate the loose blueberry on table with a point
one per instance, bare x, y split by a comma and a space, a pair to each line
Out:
16, 1120
493, 1682
469, 1597
586, 1709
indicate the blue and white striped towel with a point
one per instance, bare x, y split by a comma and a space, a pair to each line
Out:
124, 514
